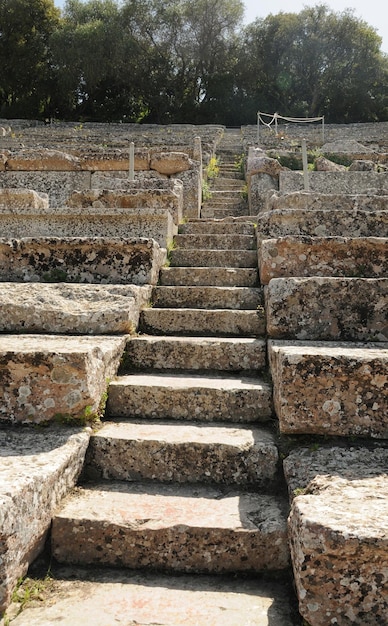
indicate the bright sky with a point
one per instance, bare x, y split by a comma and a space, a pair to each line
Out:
374, 12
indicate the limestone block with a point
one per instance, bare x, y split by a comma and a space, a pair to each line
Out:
37, 469
345, 146
143, 181
331, 388
322, 223
81, 260
3, 159
258, 187
170, 162
333, 309
113, 159
58, 185
363, 165
16, 199
323, 201
46, 377
71, 308
338, 534
41, 159
262, 164
336, 182
325, 165
323, 256
192, 192
124, 199
90, 222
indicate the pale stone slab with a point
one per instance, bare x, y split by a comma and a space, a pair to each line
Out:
112, 159
307, 201
71, 308
333, 309
206, 297
41, 159
217, 227
58, 185
190, 397
195, 353
129, 199
338, 534
170, 162
157, 224
187, 453
171, 527
322, 223
46, 377
213, 258
192, 191
217, 276
81, 260
214, 242
15, 200
37, 469
336, 182
364, 257
330, 388
205, 322
103, 596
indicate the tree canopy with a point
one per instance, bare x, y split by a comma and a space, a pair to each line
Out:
187, 61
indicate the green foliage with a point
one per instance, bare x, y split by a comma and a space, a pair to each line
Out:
212, 169
186, 61
340, 159
206, 193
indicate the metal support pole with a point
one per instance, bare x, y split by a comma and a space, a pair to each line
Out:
131, 173
305, 166
323, 129
258, 127
276, 124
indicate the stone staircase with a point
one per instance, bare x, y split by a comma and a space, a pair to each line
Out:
228, 189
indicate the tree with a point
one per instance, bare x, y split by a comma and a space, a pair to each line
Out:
26, 76
315, 63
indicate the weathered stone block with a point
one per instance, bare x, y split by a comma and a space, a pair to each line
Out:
335, 182
82, 260
71, 308
45, 377
101, 160
322, 223
307, 201
14, 200
192, 191
59, 185
333, 309
170, 162
259, 185
133, 199
323, 256
93, 222
331, 388
338, 534
37, 469
42, 159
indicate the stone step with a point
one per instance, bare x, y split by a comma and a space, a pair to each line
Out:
203, 322
60, 308
208, 227
207, 297
225, 182
330, 388
187, 396
213, 212
230, 171
216, 276
213, 258
46, 378
363, 257
215, 242
185, 453
326, 308
194, 353
111, 260
322, 223
171, 528
101, 596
